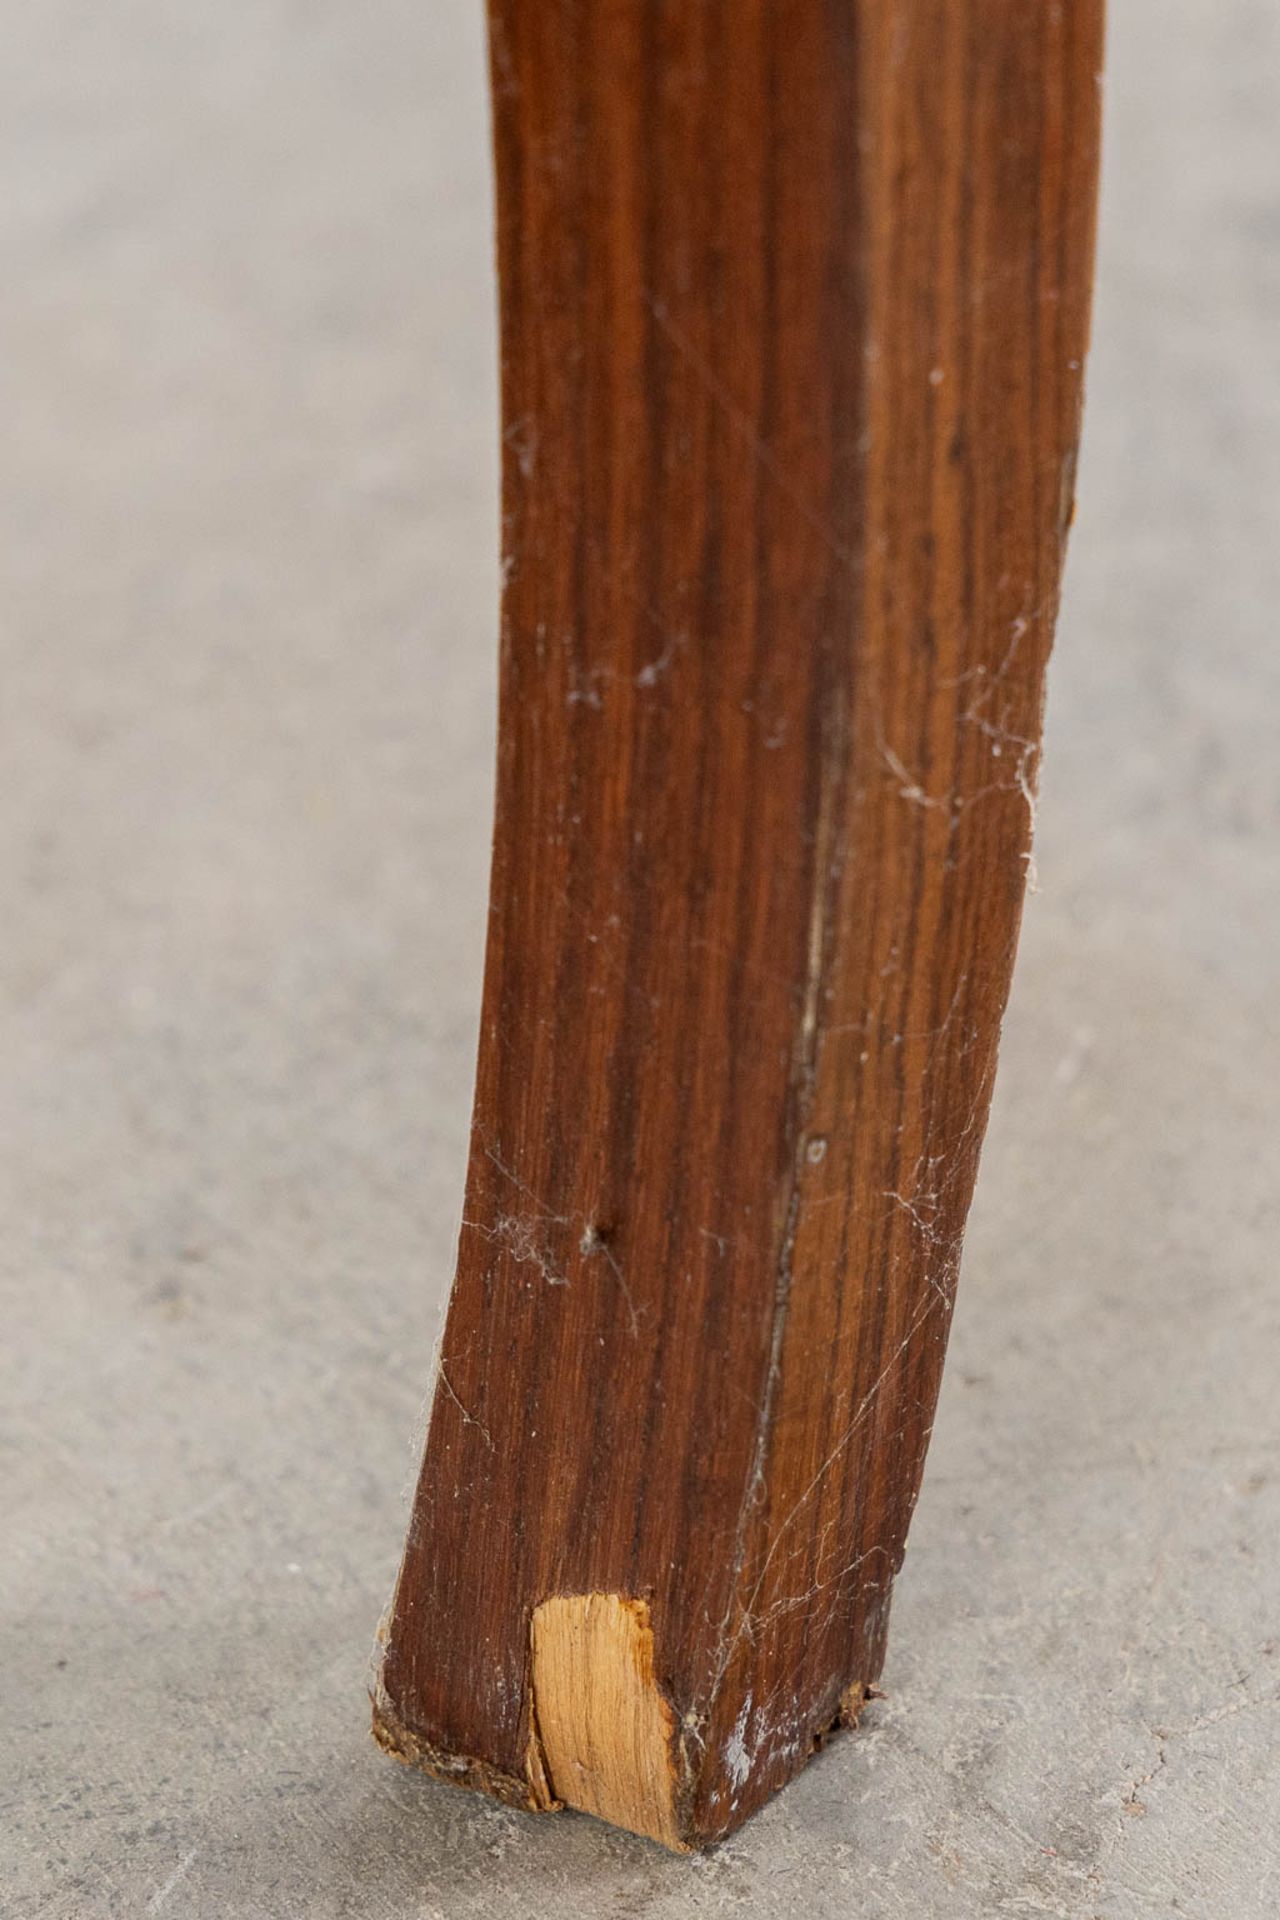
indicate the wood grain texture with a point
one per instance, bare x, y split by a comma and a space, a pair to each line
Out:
794, 305
606, 1735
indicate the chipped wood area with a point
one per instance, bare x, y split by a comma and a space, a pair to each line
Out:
528, 1792
608, 1735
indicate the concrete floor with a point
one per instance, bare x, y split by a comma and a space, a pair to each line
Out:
249, 594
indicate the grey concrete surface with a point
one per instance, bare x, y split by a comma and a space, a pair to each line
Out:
248, 589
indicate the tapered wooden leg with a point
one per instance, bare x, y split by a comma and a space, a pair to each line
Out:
794, 306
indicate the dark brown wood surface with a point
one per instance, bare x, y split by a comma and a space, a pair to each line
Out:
794, 303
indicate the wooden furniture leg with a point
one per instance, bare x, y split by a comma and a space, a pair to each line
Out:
794, 304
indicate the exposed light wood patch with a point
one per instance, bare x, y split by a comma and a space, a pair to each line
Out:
608, 1735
